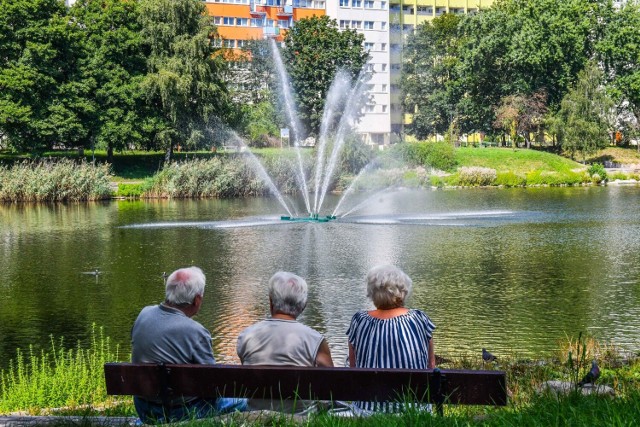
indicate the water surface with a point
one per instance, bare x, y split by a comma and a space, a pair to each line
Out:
513, 270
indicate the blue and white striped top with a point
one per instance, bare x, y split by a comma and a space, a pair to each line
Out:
401, 342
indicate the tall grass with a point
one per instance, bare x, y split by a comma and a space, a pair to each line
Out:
58, 378
54, 181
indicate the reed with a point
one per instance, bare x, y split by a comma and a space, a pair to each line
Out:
54, 181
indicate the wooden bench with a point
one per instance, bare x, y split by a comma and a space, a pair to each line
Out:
457, 387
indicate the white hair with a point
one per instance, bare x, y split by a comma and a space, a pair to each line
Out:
288, 293
388, 286
183, 285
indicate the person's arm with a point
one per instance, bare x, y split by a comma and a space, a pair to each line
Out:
352, 356
323, 358
431, 364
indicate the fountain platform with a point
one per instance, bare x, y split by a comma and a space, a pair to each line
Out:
310, 218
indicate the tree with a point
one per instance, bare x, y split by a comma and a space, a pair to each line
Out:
523, 47
111, 69
521, 115
315, 49
428, 78
185, 75
619, 51
39, 100
584, 119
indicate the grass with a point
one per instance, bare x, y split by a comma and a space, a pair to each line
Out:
71, 378
72, 381
519, 161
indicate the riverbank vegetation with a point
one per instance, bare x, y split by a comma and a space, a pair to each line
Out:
237, 174
67, 381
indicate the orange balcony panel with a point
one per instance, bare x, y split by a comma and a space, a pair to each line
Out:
239, 11
242, 33
300, 13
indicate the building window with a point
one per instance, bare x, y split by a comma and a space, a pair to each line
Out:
383, 5
242, 43
368, 4
368, 25
216, 42
384, 89
344, 23
407, 10
383, 68
383, 26
356, 24
369, 108
242, 22
229, 43
384, 108
369, 68
344, 3
284, 23
383, 47
356, 3
368, 46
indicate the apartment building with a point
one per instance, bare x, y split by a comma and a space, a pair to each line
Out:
385, 25
242, 20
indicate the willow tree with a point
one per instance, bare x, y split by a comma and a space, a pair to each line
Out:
184, 81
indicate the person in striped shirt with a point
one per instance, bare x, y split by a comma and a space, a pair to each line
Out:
392, 335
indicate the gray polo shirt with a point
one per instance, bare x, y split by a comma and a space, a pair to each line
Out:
165, 334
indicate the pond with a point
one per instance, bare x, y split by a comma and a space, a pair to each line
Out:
514, 270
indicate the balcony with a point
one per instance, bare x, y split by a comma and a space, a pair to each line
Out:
270, 32
258, 11
285, 12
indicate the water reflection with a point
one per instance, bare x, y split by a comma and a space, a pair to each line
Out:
511, 270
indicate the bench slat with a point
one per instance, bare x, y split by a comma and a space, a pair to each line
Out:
459, 386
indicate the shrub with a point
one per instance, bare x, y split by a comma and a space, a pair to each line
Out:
618, 175
597, 173
510, 179
437, 155
476, 176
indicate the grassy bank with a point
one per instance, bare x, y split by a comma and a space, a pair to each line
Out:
71, 380
206, 174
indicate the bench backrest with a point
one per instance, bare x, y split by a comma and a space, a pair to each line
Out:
435, 386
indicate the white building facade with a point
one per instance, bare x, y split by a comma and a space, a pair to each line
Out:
371, 18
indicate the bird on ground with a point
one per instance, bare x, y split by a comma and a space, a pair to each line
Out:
591, 376
488, 357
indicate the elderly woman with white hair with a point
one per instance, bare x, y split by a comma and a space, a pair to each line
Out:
392, 335
281, 340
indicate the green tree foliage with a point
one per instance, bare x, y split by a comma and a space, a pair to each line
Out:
428, 78
111, 68
584, 119
619, 51
185, 75
522, 47
315, 50
40, 104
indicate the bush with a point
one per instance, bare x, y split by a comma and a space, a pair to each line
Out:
437, 155
476, 176
510, 179
597, 173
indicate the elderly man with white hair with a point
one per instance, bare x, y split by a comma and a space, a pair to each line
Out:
281, 339
392, 335
166, 333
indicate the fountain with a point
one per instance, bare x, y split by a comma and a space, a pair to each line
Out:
342, 91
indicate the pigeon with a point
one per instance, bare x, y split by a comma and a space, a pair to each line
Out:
488, 357
591, 376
